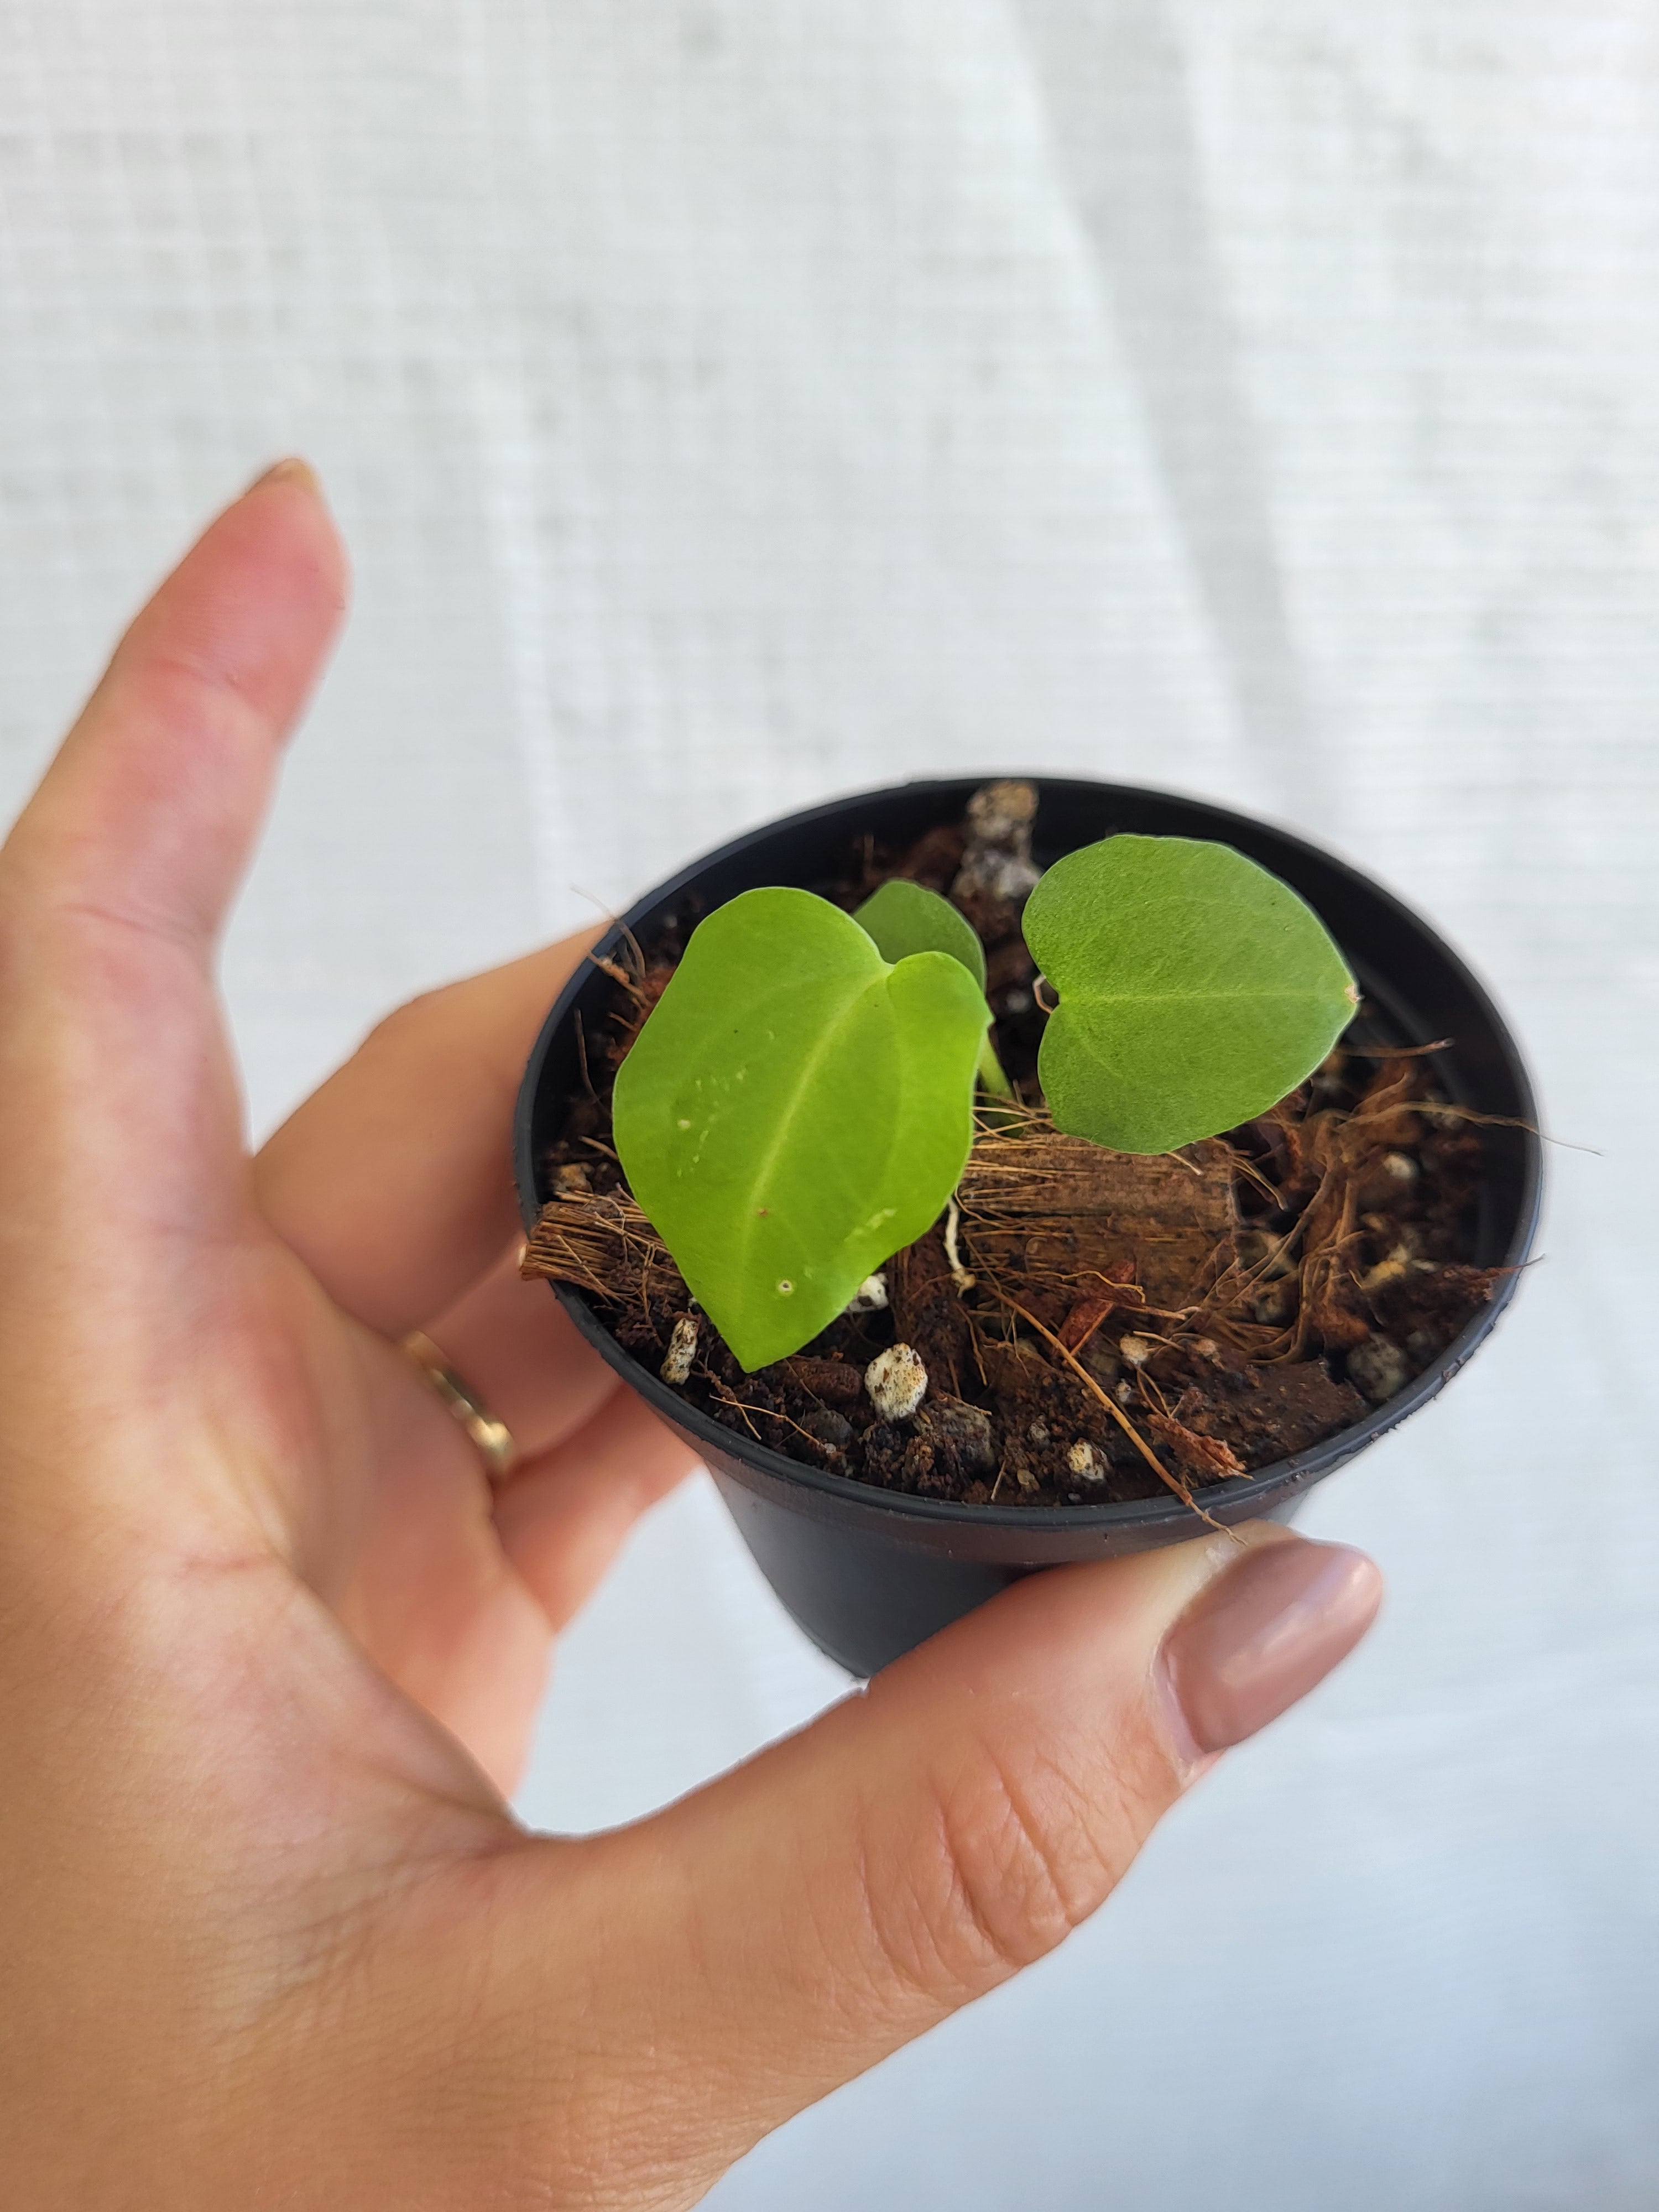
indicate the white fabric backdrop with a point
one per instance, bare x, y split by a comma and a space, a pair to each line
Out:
730, 401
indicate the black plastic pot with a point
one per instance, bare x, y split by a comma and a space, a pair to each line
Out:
869, 1573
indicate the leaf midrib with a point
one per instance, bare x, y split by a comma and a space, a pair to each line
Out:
810, 1066
1095, 998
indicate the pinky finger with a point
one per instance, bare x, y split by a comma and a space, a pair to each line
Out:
565, 1513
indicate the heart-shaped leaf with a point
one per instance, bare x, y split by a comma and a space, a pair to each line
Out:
794, 1111
1196, 990
905, 918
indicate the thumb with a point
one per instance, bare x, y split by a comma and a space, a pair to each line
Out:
812, 1912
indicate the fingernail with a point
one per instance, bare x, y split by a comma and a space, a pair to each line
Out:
1261, 1635
292, 471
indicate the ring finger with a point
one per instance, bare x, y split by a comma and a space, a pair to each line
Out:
519, 1351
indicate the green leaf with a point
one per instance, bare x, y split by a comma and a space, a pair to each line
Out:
1196, 990
905, 918
794, 1111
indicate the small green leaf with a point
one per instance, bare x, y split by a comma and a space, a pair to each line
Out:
1196, 990
794, 1111
905, 918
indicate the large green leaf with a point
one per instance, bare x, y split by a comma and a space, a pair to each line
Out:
794, 1111
905, 918
1196, 990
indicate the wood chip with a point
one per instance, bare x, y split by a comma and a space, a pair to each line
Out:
1207, 1457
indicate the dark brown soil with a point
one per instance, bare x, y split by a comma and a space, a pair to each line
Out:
1095, 1326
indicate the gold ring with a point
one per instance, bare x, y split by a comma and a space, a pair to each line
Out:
492, 1438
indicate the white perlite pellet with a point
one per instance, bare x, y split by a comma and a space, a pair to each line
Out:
1085, 1463
870, 1297
896, 1382
682, 1351
1137, 1349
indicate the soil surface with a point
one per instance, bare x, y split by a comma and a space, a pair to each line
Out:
1094, 1326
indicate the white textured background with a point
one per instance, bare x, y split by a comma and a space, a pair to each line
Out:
729, 402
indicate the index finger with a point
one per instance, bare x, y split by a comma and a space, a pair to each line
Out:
393, 1182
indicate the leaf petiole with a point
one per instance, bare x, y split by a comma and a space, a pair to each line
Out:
990, 1072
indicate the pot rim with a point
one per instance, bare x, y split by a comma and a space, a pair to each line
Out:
1302, 1467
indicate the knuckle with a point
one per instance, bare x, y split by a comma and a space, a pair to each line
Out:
1021, 1861
88, 955
409, 1025
1016, 1853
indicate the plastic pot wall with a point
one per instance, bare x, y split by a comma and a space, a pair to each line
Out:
869, 1573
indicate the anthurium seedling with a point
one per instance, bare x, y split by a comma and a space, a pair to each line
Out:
795, 1110
799, 1105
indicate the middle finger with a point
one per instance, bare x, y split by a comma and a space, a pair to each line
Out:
394, 1182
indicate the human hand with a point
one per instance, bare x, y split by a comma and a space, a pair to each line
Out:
271, 1644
